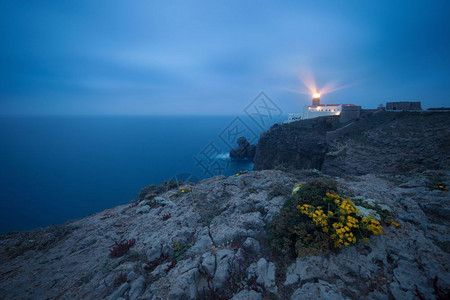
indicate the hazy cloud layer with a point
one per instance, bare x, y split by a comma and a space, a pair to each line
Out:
202, 57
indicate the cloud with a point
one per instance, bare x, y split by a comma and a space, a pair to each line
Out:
208, 57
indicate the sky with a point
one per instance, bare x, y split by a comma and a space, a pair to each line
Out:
214, 57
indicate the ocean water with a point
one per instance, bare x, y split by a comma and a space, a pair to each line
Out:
54, 169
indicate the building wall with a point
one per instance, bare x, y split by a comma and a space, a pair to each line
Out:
403, 106
321, 111
350, 113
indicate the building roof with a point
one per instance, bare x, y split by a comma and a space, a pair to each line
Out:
331, 105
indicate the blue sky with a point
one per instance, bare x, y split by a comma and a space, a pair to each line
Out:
211, 57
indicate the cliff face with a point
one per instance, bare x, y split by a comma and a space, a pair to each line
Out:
300, 145
382, 143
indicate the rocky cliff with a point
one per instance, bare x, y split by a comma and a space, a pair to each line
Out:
385, 142
208, 241
298, 145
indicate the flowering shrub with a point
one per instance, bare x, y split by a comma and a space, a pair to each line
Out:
293, 233
339, 217
316, 219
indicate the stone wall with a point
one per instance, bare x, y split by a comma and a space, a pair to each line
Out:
403, 106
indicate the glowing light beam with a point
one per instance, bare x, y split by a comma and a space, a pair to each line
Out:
309, 86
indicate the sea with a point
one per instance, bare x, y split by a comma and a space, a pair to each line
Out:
59, 168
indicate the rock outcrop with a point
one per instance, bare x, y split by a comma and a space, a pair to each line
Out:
298, 145
244, 149
209, 242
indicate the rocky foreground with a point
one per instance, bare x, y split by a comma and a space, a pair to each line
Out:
208, 241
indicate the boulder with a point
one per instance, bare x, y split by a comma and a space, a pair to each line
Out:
266, 275
317, 290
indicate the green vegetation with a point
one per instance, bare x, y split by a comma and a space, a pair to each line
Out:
179, 250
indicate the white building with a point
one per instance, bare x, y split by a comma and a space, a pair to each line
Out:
318, 110
321, 110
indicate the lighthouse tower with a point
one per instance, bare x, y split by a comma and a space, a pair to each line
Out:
316, 99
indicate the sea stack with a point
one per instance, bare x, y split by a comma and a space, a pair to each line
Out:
244, 149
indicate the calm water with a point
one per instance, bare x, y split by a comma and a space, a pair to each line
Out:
58, 168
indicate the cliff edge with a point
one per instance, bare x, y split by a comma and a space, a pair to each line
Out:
383, 142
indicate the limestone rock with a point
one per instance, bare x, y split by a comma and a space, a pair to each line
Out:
208, 264
120, 291
247, 295
319, 290
137, 288
143, 209
224, 257
266, 274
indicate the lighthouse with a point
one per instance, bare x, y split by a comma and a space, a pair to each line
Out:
316, 99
